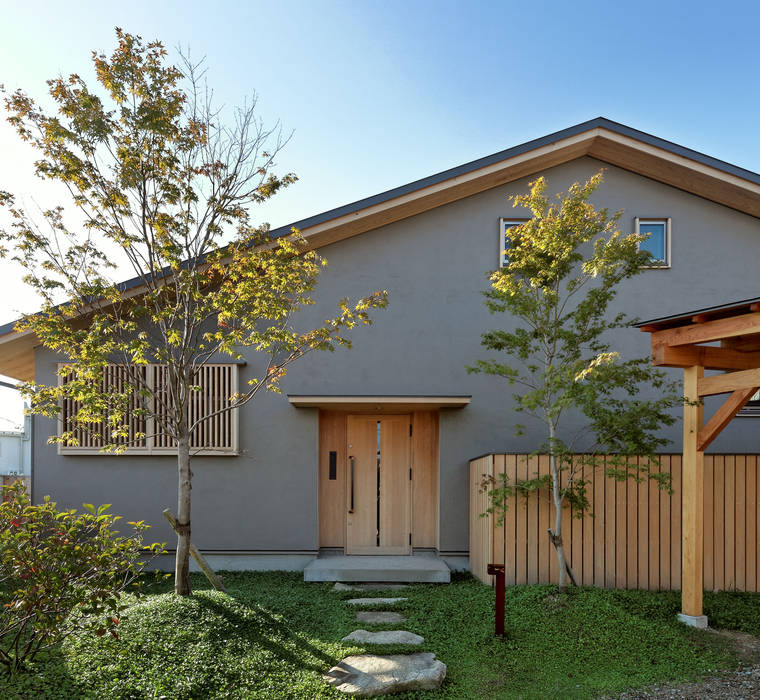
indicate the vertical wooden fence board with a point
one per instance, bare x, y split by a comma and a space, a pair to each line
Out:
675, 523
521, 538
510, 523
576, 526
665, 530
499, 539
481, 527
545, 549
740, 505
635, 538
587, 575
751, 523
610, 512
621, 535
719, 560
599, 529
729, 531
533, 525
643, 528
632, 543
655, 538
707, 551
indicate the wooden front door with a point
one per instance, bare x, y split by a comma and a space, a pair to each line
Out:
379, 485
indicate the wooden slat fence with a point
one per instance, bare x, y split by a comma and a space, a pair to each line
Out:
633, 538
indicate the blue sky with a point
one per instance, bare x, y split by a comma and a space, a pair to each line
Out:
381, 93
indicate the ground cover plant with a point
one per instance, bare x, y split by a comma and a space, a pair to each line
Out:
274, 635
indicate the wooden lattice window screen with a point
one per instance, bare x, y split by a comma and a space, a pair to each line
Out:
216, 435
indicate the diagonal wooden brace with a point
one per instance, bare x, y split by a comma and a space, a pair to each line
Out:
215, 581
731, 406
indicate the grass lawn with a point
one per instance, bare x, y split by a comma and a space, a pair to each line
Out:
274, 635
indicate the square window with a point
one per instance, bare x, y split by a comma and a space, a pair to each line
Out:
657, 243
504, 225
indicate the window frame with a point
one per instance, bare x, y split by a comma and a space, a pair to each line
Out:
665, 265
151, 449
503, 221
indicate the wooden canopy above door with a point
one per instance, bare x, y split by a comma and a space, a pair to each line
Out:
378, 404
724, 338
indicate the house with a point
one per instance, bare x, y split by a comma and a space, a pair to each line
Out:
15, 447
291, 476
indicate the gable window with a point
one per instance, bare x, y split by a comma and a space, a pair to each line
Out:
657, 243
217, 435
504, 226
752, 407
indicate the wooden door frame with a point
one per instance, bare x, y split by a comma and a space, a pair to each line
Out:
332, 461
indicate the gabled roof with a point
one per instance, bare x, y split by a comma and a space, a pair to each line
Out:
599, 138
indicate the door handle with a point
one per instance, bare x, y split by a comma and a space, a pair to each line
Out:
351, 509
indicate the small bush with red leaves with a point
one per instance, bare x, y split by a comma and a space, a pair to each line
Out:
61, 573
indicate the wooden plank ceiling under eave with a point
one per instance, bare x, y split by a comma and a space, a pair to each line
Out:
677, 171
17, 357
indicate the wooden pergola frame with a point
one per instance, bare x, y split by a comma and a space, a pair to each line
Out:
724, 338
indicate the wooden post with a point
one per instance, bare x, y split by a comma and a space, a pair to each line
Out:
214, 580
692, 508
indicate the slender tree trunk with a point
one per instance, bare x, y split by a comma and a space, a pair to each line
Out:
182, 561
556, 535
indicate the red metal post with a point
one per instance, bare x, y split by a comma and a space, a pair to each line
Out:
498, 571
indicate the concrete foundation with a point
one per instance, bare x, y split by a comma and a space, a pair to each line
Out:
698, 621
418, 568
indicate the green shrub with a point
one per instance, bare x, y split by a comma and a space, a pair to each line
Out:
61, 572
734, 610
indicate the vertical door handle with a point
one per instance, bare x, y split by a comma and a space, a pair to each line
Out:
351, 509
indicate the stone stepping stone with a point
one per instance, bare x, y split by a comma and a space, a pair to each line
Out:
375, 601
374, 617
370, 586
368, 675
385, 637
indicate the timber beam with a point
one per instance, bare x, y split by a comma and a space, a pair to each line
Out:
728, 382
746, 324
742, 343
704, 356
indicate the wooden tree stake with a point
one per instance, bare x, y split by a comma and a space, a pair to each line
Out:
215, 581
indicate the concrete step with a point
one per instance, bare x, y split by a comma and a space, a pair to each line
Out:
393, 569
375, 601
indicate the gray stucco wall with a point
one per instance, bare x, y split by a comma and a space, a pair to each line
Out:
434, 267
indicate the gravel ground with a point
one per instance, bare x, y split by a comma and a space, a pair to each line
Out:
734, 685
